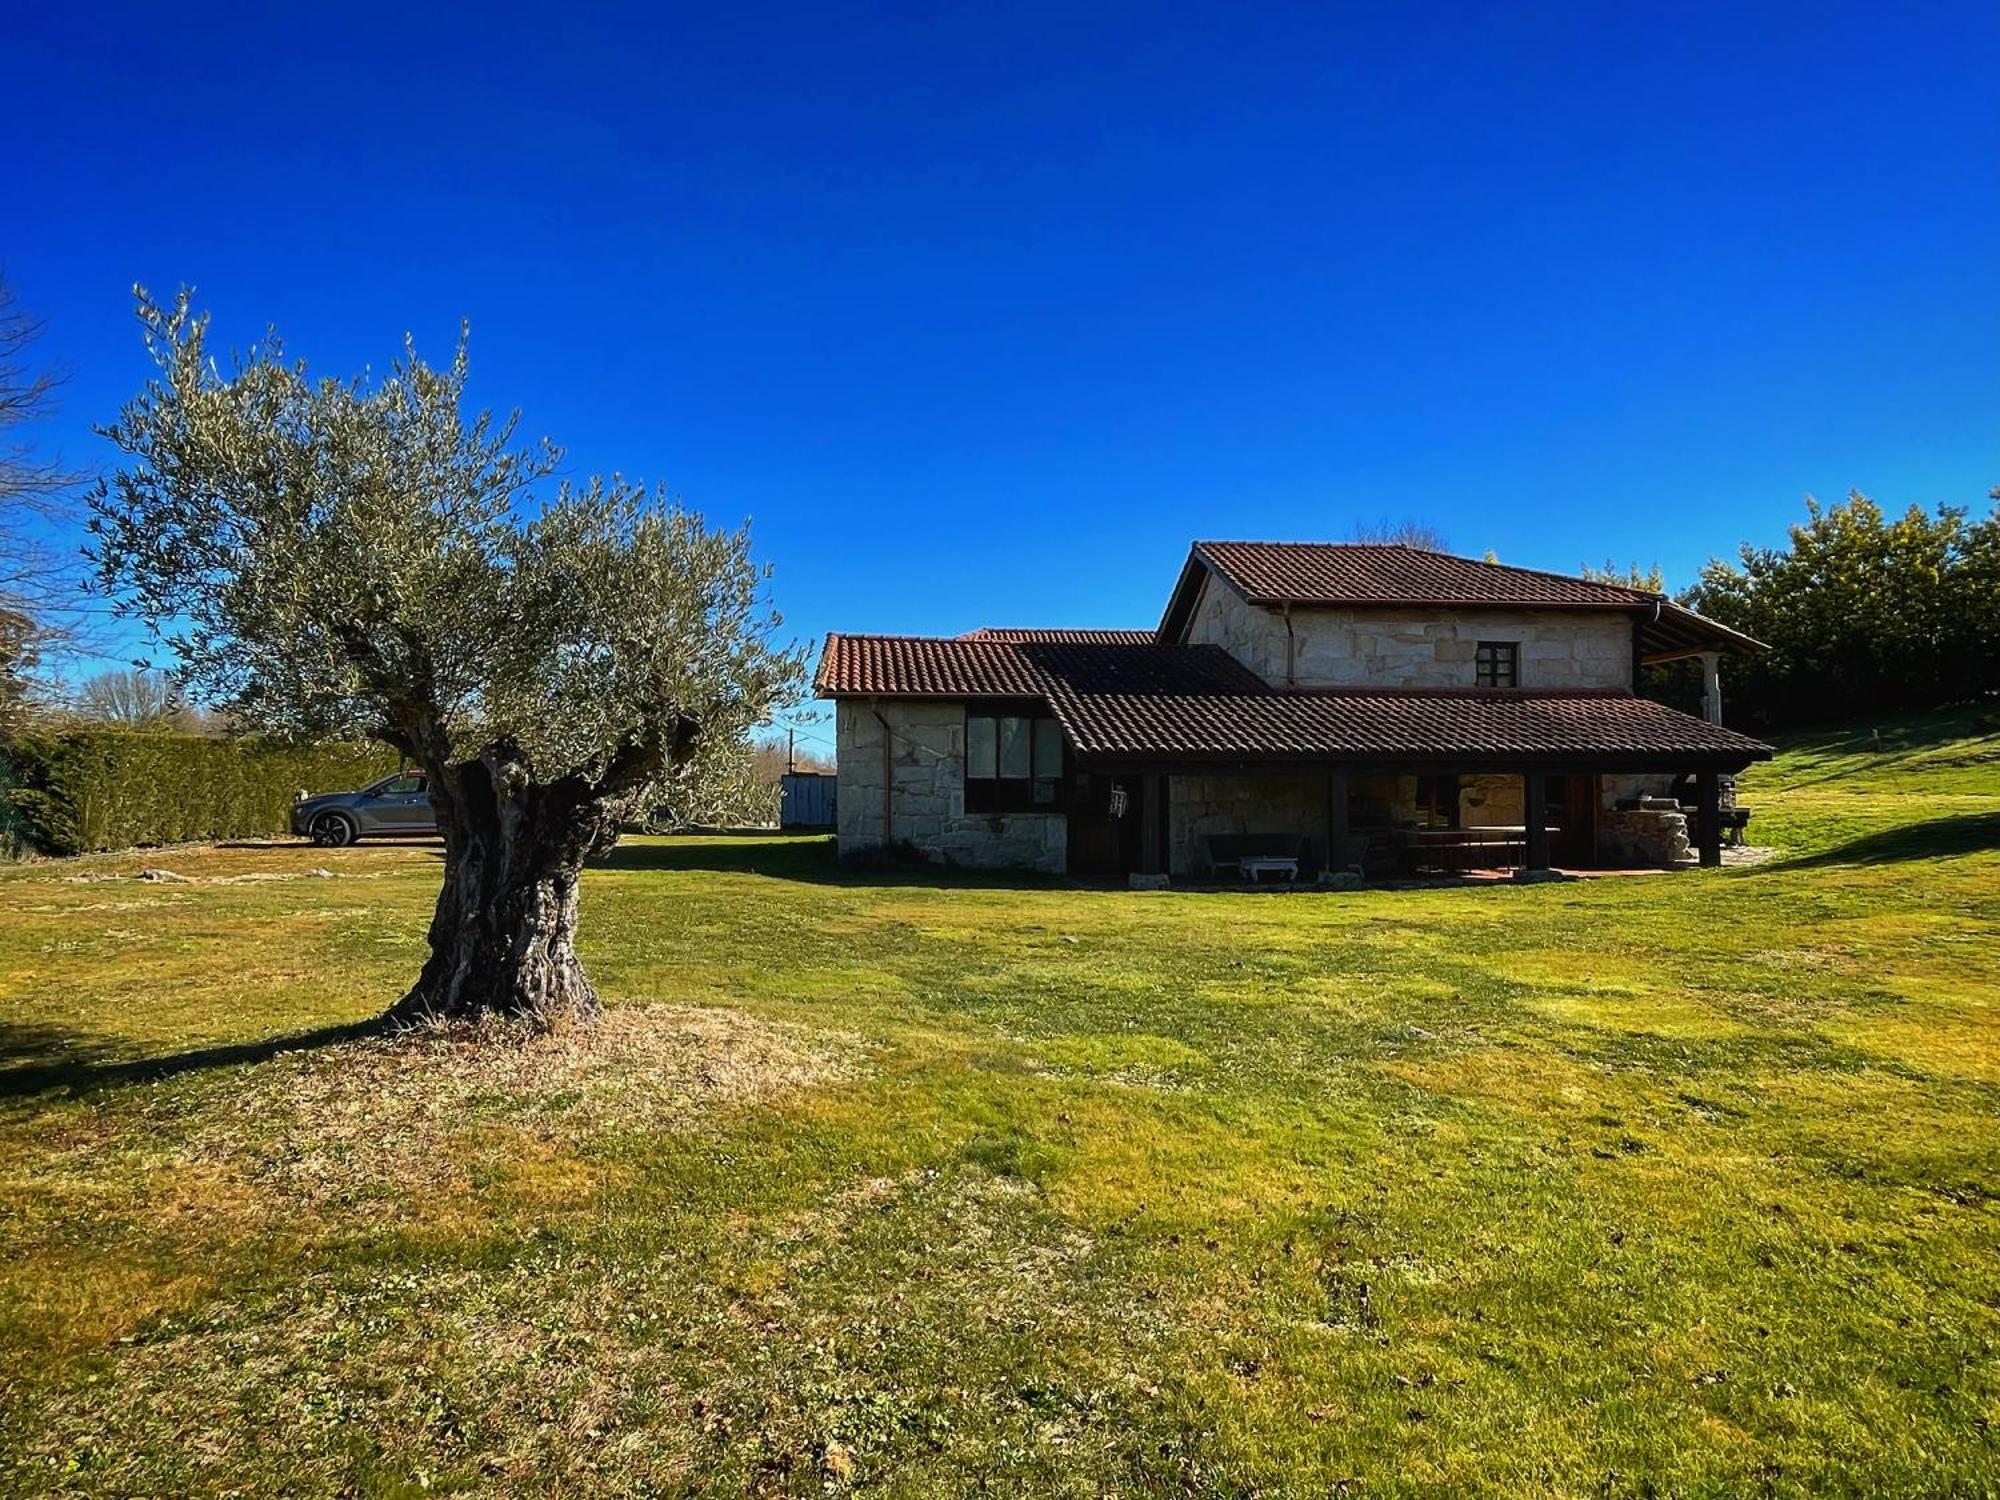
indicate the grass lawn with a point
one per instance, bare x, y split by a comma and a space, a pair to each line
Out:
1667, 1186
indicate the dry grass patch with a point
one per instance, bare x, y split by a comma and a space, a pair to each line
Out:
380, 1117
389, 1111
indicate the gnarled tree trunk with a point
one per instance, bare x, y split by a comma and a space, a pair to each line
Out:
503, 939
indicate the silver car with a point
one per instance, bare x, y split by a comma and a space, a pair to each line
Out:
399, 804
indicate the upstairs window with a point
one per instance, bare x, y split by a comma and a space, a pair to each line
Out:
1497, 664
1013, 763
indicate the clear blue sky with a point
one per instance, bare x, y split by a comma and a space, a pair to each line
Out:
982, 313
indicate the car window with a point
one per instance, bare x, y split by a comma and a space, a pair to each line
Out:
401, 786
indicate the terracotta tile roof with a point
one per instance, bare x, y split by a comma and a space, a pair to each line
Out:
1358, 575
1439, 726
990, 666
1146, 700
905, 666
1338, 573
1085, 637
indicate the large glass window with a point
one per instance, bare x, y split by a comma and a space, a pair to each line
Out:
1013, 762
982, 749
1017, 761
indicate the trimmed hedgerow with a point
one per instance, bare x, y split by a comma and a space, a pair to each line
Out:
77, 790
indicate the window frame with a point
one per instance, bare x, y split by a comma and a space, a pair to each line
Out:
1487, 659
1041, 789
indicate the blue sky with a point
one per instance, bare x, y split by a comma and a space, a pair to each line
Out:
982, 313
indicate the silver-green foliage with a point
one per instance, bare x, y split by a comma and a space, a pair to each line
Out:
330, 556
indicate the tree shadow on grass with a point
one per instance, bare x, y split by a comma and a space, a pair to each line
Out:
1938, 838
811, 860
43, 1059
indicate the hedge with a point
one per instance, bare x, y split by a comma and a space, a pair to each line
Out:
72, 791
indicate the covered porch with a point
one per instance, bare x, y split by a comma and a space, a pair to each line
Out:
1216, 824
1397, 781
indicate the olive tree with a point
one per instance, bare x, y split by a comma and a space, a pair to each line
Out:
332, 557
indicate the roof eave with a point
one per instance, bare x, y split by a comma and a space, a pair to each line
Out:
1187, 590
1484, 761
1698, 634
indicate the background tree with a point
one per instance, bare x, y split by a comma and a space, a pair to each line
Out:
1653, 580
18, 652
41, 581
1387, 533
773, 757
345, 557
133, 699
43, 577
1863, 614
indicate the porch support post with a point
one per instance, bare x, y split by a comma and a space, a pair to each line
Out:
1708, 817
1336, 819
1152, 819
1535, 813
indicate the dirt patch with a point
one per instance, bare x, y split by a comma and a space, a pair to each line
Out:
385, 1116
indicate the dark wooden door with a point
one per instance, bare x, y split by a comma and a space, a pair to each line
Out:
1576, 844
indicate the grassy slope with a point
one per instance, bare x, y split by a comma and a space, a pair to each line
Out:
1675, 1185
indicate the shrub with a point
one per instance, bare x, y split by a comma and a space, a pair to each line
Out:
78, 790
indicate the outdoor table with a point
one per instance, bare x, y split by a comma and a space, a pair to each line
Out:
1256, 866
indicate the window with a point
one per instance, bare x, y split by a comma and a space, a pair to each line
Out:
1013, 763
408, 784
1497, 664
982, 747
1437, 802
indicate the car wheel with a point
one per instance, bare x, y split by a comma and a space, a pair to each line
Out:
334, 830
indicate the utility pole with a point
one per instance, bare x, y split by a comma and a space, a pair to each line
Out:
791, 761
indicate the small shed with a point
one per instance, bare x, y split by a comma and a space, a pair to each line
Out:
807, 799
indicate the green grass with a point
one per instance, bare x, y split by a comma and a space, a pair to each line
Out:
1686, 1185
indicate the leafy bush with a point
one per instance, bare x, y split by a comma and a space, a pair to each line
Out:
82, 789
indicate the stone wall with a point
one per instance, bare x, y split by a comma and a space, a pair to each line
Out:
927, 761
1294, 806
1613, 790
1414, 648
1253, 635
1643, 836
1492, 801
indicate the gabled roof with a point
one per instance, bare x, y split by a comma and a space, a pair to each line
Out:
1370, 575
1084, 637
988, 666
1337, 573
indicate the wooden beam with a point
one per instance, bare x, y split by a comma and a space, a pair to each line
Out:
1535, 814
1708, 817
1336, 819
1152, 797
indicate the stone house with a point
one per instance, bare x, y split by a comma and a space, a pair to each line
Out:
1317, 707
